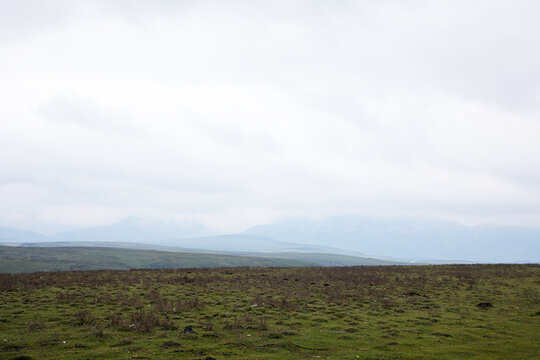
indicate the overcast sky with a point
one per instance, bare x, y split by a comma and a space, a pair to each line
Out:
236, 113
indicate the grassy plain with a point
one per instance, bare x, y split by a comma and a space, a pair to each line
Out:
383, 312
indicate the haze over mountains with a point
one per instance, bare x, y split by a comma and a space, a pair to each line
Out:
232, 114
135, 230
11, 235
410, 239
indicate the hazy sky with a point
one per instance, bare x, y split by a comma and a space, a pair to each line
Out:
235, 113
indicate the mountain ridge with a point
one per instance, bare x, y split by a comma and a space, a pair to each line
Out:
392, 239
412, 238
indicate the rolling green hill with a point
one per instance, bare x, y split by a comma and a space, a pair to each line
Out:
318, 258
32, 259
324, 259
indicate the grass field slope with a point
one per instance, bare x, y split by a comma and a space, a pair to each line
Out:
315, 257
31, 259
365, 312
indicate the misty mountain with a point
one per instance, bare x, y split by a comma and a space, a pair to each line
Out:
253, 243
11, 235
190, 236
412, 238
398, 239
135, 230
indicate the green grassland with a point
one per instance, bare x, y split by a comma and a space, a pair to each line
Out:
50, 257
379, 312
325, 259
14, 259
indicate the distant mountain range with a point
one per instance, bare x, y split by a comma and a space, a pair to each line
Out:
135, 230
388, 240
254, 243
412, 238
10, 235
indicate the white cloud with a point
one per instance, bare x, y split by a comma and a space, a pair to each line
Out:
242, 112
